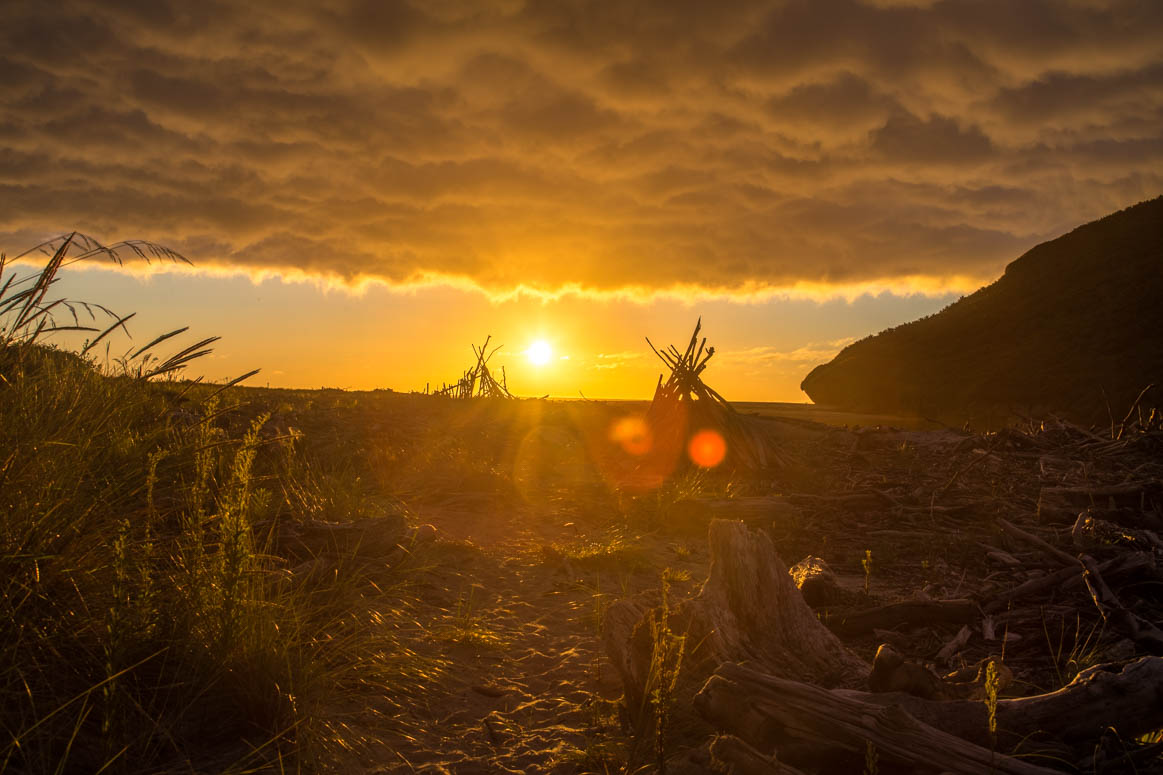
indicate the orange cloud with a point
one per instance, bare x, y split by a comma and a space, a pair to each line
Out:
747, 150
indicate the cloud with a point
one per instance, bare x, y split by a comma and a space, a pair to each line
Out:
615, 360
818, 352
744, 148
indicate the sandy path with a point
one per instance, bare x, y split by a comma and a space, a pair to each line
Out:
517, 624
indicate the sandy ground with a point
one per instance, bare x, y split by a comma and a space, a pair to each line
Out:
514, 608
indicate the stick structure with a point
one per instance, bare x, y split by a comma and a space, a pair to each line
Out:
478, 381
684, 405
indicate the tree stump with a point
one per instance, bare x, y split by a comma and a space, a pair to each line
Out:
749, 610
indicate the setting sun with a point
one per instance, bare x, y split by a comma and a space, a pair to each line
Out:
540, 353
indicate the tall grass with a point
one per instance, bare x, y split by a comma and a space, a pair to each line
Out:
145, 623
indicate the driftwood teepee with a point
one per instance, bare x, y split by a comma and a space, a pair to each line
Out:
683, 405
479, 381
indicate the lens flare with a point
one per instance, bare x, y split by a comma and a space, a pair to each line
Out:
633, 434
707, 448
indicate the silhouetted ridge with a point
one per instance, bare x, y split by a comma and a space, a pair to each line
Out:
1071, 320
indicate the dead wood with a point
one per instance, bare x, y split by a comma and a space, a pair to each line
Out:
908, 612
1127, 566
771, 713
751, 610
1091, 532
1034, 540
818, 583
478, 380
748, 610
1128, 698
954, 645
1065, 503
1145, 634
684, 405
891, 672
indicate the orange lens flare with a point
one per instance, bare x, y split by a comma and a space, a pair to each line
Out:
707, 448
633, 434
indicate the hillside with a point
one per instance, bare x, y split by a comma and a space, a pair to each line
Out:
1073, 323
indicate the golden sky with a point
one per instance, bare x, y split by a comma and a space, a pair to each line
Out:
608, 168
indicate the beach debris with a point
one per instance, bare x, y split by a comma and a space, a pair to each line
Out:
479, 381
687, 415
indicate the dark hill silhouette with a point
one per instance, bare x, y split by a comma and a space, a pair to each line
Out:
1072, 324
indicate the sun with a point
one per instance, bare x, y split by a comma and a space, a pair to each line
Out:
540, 353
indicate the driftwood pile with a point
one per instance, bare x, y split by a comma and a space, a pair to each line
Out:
684, 405
1006, 620
478, 381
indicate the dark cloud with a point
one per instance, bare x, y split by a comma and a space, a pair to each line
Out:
906, 139
648, 143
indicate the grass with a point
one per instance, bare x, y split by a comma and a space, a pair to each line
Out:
667, 651
146, 621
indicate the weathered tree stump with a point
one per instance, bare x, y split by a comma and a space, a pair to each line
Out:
749, 610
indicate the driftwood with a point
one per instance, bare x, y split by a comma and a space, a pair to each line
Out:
684, 405
1090, 533
748, 610
772, 713
1034, 540
891, 672
908, 612
478, 381
1127, 698
1131, 565
818, 583
755, 612
1145, 634
1063, 504
813, 724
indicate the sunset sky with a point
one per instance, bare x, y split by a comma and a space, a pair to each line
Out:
365, 188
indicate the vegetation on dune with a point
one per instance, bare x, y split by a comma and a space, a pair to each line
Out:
143, 622
1072, 327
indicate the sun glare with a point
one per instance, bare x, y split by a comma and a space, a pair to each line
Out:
540, 353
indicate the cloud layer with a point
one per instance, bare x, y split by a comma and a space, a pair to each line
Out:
552, 143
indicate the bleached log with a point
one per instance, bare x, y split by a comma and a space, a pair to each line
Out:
1128, 698
777, 714
771, 713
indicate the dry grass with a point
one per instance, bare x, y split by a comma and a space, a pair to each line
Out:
145, 620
